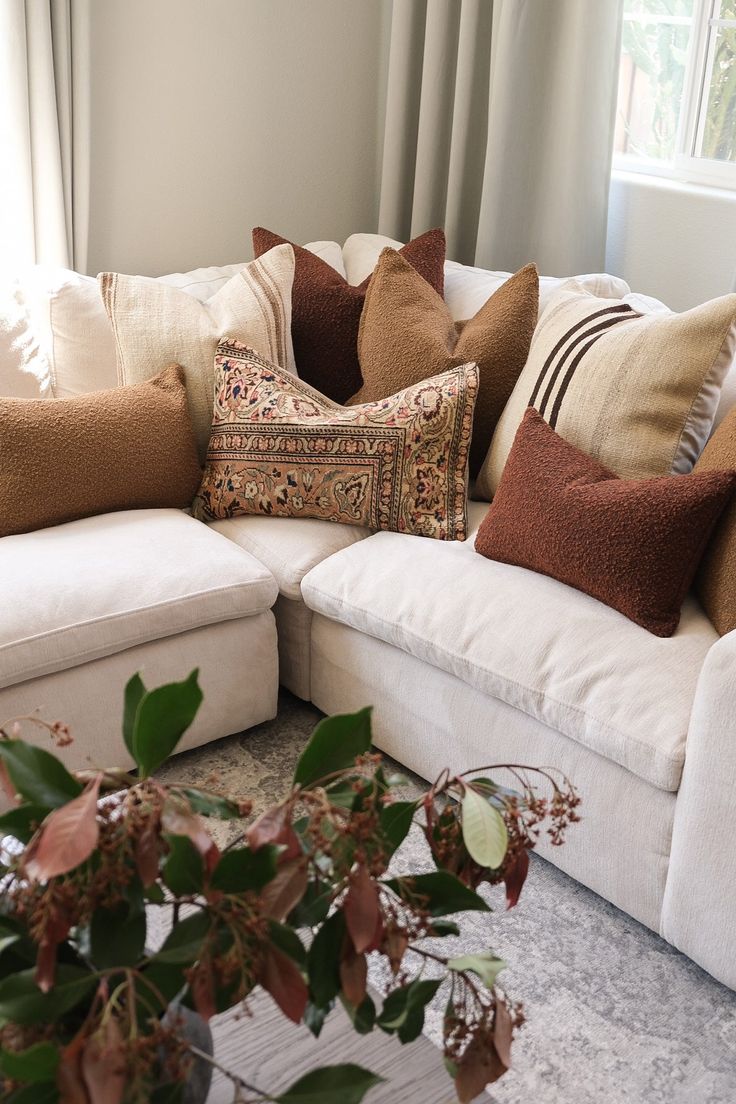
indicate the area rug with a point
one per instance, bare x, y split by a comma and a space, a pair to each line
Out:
614, 1014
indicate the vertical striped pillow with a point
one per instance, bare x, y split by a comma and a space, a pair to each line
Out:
635, 389
155, 325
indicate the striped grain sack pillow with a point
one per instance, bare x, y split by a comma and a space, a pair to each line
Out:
635, 389
156, 325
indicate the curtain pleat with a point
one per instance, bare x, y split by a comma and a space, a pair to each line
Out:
499, 126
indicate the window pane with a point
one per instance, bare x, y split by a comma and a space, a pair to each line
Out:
719, 124
651, 77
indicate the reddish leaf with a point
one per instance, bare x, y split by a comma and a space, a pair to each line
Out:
69, 1080
515, 877
353, 974
503, 1027
362, 913
274, 826
396, 943
285, 890
7, 786
67, 836
180, 823
103, 1064
202, 985
479, 1066
279, 976
147, 855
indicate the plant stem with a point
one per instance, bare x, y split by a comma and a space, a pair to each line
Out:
234, 1078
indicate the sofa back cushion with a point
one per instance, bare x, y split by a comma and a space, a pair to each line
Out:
126, 448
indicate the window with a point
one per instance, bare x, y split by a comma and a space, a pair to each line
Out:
676, 113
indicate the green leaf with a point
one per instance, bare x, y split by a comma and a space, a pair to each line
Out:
363, 1018
439, 892
117, 936
323, 960
484, 830
286, 939
396, 821
313, 907
35, 1094
344, 1084
22, 1002
8, 940
403, 1009
22, 821
135, 691
184, 942
168, 1094
183, 871
162, 717
209, 804
486, 965
241, 869
335, 744
154, 894
315, 1017
37, 775
36, 1064
444, 927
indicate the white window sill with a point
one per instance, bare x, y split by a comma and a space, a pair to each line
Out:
666, 183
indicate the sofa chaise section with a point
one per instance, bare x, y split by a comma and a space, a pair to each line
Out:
85, 605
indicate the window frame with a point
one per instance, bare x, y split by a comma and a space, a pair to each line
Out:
687, 166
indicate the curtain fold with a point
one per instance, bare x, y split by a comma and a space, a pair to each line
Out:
499, 126
44, 126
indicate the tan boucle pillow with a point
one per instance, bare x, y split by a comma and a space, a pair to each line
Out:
122, 449
407, 335
716, 579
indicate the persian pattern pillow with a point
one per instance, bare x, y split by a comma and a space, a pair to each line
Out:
123, 449
155, 324
715, 584
633, 544
407, 334
326, 310
636, 389
278, 447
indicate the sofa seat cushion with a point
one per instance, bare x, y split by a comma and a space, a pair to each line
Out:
554, 653
91, 588
289, 547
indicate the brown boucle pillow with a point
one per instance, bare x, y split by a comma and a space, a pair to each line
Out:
715, 583
326, 309
634, 544
126, 448
407, 335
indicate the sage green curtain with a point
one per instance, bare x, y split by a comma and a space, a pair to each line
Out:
499, 127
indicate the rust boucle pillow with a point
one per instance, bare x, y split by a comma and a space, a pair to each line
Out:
715, 584
326, 309
280, 448
126, 448
633, 544
407, 334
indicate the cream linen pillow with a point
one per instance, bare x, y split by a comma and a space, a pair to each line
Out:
635, 388
154, 325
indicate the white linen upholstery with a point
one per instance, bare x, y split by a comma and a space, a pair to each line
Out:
429, 720
547, 649
289, 547
238, 673
294, 625
75, 592
699, 912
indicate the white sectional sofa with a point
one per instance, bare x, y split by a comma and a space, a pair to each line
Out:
467, 662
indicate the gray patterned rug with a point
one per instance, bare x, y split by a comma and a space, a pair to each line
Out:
614, 1013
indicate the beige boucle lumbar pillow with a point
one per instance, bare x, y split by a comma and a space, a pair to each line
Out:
636, 390
155, 325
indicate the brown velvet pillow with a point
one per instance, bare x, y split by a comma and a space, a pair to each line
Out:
325, 310
632, 543
715, 584
127, 448
407, 335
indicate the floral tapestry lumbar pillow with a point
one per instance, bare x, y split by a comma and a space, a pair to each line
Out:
326, 310
633, 544
278, 447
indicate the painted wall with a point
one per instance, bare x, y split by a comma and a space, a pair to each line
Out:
211, 116
672, 241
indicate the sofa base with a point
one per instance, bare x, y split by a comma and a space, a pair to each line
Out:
238, 673
428, 720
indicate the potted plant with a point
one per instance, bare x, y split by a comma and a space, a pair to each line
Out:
295, 903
